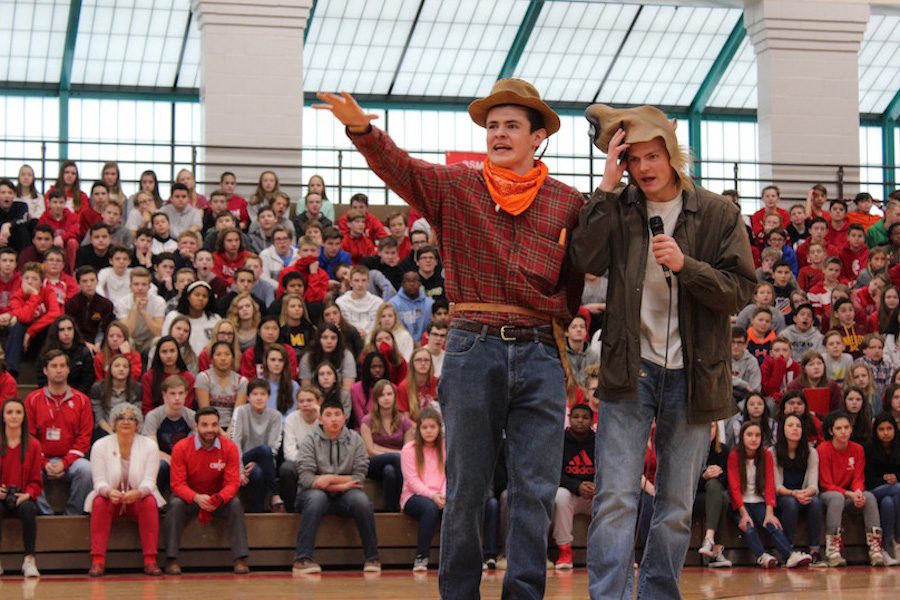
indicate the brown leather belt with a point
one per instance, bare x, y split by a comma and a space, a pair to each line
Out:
508, 333
557, 332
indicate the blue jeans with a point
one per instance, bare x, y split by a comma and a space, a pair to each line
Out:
427, 513
80, 484
789, 510
757, 512
386, 469
315, 504
888, 497
262, 477
164, 479
681, 451
488, 385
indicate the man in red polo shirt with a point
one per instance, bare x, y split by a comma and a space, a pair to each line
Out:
503, 235
206, 474
62, 419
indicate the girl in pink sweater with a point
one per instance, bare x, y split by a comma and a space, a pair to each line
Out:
424, 481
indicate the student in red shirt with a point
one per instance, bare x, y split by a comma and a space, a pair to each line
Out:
92, 212
855, 255
63, 420
230, 254
374, 229
813, 273
751, 488
315, 279
206, 476
355, 242
838, 226
237, 205
167, 361
20, 467
34, 307
63, 284
10, 282
66, 230
842, 465
69, 182
771, 196
818, 229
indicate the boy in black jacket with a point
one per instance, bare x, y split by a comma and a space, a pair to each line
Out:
576, 484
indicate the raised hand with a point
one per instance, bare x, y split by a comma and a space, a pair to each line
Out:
615, 166
346, 110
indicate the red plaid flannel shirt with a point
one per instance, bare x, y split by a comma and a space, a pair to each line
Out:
489, 255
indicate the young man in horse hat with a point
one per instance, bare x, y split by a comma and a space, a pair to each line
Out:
503, 233
665, 354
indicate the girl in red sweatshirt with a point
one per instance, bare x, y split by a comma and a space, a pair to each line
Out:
34, 307
751, 488
842, 483
20, 468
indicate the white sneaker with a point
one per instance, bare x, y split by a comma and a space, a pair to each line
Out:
29, 568
420, 565
767, 561
707, 549
798, 559
719, 561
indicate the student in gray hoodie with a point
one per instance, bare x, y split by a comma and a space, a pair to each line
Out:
331, 466
745, 374
803, 334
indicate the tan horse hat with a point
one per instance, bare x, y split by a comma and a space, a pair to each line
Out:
641, 124
518, 92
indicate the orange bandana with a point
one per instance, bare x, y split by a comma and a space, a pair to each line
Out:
511, 192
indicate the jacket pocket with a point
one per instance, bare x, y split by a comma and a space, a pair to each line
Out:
541, 262
712, 384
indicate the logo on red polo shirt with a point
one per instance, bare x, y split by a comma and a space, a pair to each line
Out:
219, 465
851, 464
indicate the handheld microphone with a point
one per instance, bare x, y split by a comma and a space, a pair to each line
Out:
656, 228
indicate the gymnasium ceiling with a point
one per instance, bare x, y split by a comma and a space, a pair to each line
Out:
430, 53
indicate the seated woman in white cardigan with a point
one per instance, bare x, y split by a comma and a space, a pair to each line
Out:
124, 467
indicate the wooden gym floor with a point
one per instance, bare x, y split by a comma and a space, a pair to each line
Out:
856, 583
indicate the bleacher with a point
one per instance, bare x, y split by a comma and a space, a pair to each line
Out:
63, 543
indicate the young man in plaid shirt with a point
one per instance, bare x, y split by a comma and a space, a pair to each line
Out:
503, 233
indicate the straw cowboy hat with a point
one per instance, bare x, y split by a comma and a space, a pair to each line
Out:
518, 92
641, 124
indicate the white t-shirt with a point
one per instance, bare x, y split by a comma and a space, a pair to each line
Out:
110, 285
201, 329
360, 313
655, 297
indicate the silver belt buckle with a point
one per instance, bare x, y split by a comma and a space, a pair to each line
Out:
503, 335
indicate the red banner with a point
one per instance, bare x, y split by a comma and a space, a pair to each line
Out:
473, 160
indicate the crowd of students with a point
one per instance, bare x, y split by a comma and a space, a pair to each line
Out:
211, 356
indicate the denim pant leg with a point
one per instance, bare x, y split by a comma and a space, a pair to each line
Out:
788, 510
163, 480
427, 513
262, 477
681, 451
534, 444
474, 393
14, 347
888, 497
751, 535
620, 444
80, 485
312, 505
491, 527
355, 504
386, 468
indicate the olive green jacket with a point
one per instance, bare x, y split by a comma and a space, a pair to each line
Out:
716, 281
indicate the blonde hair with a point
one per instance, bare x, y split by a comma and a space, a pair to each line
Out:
235, 344
233, 310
